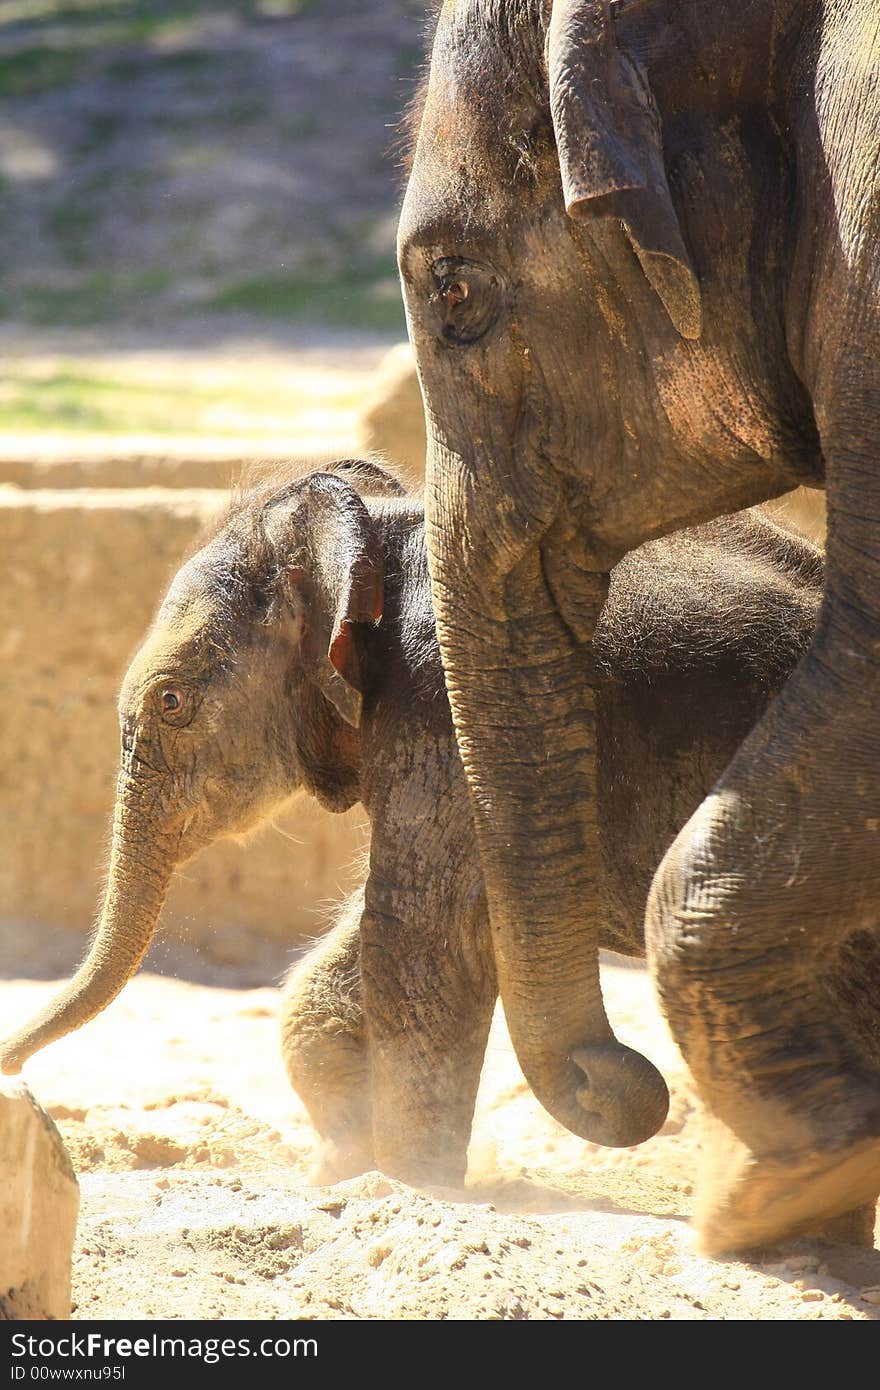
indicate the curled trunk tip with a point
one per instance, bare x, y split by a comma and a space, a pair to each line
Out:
624, 1098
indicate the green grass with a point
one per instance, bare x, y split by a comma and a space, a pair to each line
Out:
71, 400
278, 9
142, 17
92, 25
61, 402
72, 223
242, 111
30, 71
62, 11
99, 22
55, 11
353, 285
86, 11
97, 298
189, 62
299, 127
363, 296
102, 128
86, 398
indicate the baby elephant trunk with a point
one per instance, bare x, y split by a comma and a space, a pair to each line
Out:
135, 894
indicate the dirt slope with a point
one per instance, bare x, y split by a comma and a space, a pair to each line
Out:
194, 1158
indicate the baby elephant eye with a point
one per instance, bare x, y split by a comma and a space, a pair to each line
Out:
172, 700
175, 704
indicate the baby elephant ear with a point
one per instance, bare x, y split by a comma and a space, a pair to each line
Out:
369, 478
347, 564
609, 143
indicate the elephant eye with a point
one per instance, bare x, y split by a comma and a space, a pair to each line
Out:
465, 299
173, 702
456, 293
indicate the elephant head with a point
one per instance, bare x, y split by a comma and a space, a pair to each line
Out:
586, 296
247, 688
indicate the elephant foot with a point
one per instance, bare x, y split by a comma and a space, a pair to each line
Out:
337, 1162
744, 1201
852, 1228
423, 1171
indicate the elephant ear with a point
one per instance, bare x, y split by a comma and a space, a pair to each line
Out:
369, 477
609, 141
334, 577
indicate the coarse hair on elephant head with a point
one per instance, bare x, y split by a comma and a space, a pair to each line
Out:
248, 688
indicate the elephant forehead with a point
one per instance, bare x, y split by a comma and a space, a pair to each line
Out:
206, 576
174, 646
491, 38
478, 109
193, 626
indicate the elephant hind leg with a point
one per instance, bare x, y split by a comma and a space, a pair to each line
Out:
324, 1047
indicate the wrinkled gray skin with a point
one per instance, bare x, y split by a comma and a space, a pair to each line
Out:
266, 670
640, 249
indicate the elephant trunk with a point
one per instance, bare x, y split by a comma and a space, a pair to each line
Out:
524, 710
133, 900
548, 977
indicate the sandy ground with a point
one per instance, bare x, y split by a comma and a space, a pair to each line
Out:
194, 1159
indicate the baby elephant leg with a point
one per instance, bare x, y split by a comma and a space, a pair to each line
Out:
324, 1046
429, 998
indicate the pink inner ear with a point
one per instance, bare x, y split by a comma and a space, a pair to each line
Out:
376, 601
342, 654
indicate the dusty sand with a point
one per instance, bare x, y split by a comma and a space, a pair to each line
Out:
194, 1159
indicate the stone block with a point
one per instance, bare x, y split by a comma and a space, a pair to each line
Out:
39, 1202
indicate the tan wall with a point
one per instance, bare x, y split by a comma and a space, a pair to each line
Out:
392, 421
118, 469
82, 574
115, 463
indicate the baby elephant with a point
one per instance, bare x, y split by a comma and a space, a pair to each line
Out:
297, 649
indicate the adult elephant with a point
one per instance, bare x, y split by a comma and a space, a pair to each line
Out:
640, 249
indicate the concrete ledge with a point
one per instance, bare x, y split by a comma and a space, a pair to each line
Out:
146, 461
805, 509
84, 571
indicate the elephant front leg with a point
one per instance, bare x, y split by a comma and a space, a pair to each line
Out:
324, 1047
763, 917
429, 992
